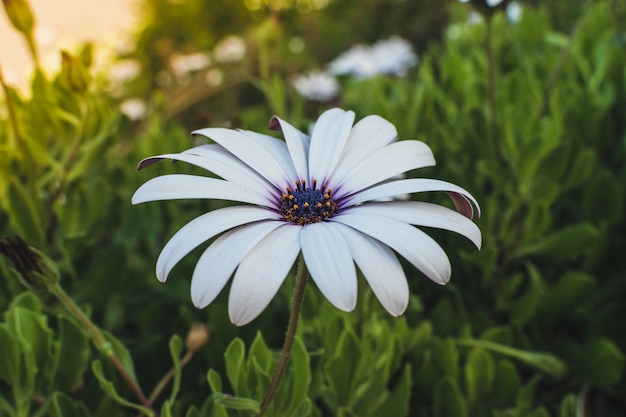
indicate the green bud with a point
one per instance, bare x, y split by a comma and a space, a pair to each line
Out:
20, 15
74, 75
37, 271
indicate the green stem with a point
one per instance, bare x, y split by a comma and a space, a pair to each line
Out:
100, 341
302, 277
491, 88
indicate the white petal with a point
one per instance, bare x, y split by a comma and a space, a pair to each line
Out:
298, 145
366, 137
278, 148
203, 228
330, 264
328, 139
393, 159
229, 167
182, 186
218, 262
413, 185
261, 273
262, 160
381, 269
416, 246
423, 214
219, 161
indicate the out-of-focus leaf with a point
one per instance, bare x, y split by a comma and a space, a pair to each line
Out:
479, 374
9, 356
73, 356
603, 198
64, 406
448, 399
24, 214
566, 293
397, 403
342, 368
600, 363
568, 242
506, 383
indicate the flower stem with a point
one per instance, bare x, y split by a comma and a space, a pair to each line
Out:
302, 277
101, 342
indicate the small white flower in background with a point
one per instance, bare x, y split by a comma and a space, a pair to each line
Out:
230, 49
311, 194
316, 85
493, 3
393, 56
357, 61
124, 71
134, 108
46, 36
514, 11
183, 65
214, 77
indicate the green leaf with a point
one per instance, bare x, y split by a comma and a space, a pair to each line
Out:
215, 380
121, 353
73, 356
342, 368
235, 367
32, 330
479, 374
109, 388
27, 300
545, 362
166, 409
65, 406
176, 348
582, 167
446, 356
601, 363
9, 356
237, 403
24, 214
572, 288
568, 242
603, 198
261, 353
397, 404
448, 400
506, 384
569, 406
300, 378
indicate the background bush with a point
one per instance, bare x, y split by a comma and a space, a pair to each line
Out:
527, 115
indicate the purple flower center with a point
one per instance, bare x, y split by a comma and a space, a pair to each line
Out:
307, 205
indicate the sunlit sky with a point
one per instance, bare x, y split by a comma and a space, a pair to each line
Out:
63, 24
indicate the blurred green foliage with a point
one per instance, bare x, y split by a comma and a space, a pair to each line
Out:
528, 115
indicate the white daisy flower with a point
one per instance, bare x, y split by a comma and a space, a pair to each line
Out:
313, 195
393, 56
317, 85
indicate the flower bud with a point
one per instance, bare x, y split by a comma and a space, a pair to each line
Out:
20, 15
74, 74
197, 337
36, 270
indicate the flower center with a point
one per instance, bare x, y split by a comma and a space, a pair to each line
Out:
307, 205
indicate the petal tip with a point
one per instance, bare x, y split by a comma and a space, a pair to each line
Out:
274, 124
